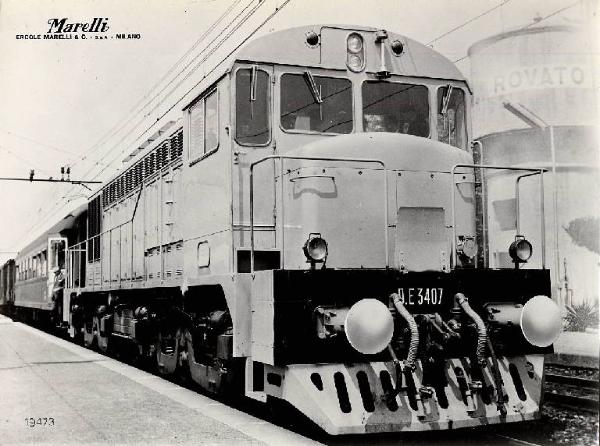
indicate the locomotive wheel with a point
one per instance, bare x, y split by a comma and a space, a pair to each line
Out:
167, 351
101, 338
89, 333
211, 377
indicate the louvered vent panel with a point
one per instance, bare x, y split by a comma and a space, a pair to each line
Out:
153, 163
177, 144
164, 155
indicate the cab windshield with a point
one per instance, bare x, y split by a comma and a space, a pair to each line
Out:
316, 103
451, 126
396, 108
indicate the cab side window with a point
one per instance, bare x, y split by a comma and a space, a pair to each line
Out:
204, 126
451, 120
252, 107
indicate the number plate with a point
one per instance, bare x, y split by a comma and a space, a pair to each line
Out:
421, 296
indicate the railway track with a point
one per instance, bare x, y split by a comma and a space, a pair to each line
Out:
572, 392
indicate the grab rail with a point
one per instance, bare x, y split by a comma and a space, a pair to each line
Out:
533, 171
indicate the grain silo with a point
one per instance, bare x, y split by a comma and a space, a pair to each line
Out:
536, 105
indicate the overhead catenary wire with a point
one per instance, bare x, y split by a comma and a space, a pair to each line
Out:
462, 25
260, 2
132, 113
535, 22
21, 158
113, 131
224, 39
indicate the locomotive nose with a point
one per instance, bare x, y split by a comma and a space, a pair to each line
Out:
369, 326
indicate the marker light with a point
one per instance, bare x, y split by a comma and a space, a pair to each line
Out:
315, 248
355, 43
397, 47
312, 39
369, 326
520, 250
355, 59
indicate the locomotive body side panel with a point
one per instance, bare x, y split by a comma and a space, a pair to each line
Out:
206, 186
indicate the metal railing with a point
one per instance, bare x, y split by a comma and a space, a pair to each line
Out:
281, 158
532, 171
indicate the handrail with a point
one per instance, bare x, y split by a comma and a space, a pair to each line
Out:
517, 211
534, 171
312, 158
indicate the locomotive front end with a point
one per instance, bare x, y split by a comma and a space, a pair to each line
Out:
383, 317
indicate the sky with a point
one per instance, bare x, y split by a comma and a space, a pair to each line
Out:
84, 104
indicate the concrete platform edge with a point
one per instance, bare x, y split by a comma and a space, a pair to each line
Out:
251, 426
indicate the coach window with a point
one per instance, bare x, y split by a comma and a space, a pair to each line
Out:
44, 263
252, 106
316, 104
204, 126
451, 126
396, 108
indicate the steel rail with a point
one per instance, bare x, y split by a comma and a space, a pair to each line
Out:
577, 403
586, 383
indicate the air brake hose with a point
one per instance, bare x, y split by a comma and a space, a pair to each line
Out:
482, 336
414, 331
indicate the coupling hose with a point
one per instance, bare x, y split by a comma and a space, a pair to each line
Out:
414, 331
482, 336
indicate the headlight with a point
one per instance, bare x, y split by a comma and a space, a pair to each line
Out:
467, 247
541, 321
520, 250
355, 43
355, 58
369, 326
315, 248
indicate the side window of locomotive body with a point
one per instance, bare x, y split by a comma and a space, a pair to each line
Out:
451, 120
301, 111
252, 107
204, 126
396, 108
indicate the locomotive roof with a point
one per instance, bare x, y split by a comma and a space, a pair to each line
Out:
289, 47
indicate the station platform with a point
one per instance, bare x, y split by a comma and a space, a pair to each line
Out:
55, 392
577, 349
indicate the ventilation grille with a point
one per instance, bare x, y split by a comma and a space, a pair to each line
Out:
163, 155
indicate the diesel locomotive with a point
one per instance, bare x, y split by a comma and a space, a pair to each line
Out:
313, 228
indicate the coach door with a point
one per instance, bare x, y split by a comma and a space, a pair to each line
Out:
57, 259
252, 141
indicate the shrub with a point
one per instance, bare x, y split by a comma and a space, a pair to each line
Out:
581, 316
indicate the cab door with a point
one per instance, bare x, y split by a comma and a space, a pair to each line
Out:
252, 140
